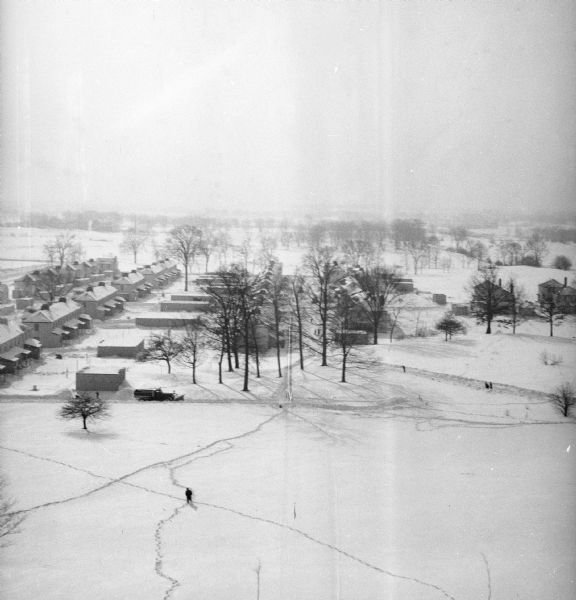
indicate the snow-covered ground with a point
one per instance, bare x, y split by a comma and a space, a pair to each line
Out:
416, 485
393, 486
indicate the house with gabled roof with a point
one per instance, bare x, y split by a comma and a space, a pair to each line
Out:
25, 286
100, 301
14, 354
563, 295
131, 285
54, 323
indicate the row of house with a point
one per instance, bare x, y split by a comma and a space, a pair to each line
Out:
41, 283
53, 323
134, 284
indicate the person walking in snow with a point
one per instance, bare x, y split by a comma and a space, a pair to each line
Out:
188, 495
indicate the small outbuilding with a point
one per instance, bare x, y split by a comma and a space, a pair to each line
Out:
100, 379
122, 349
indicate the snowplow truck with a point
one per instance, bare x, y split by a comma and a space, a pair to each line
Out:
157, 394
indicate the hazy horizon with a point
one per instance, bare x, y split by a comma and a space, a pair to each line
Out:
375, 107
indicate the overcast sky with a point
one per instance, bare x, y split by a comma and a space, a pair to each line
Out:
177, 106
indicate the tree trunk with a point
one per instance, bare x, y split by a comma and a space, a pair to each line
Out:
551, 326
169, 366
277, 333
84, 423
246, 355
256, 354
343, 380
194, 372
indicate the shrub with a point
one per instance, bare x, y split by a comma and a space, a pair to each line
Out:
550, 359
562, 262
564, 397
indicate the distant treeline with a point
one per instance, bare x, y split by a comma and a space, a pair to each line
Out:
557, 234
91, 220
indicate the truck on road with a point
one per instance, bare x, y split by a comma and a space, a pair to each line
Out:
157, 394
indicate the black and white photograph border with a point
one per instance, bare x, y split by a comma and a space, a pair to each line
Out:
287, 299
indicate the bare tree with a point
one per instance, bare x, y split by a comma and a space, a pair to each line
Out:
84, 406
550, 311
10, 520
378, 287
517, 297
51, 284
564, 397
325, 275
279, 287
459, 234
297, 302
133, 242
488, 297
341, 327
162, 347
193, 343
64, 248
537, 248
183, 244
450, 325
215, 337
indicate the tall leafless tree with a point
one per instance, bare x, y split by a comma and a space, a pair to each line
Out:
133, 242
183, 244
193, 344
550, 310
488, 298
63, 248
378, 286
325, 275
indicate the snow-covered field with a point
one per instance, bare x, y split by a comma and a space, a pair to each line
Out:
393, 486
408, 485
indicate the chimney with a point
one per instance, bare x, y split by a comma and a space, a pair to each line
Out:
45, 306
102, 283
62, 299
89, 289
